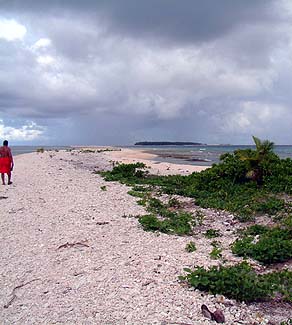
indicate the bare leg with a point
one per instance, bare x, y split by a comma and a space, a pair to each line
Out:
3, 180
9, 178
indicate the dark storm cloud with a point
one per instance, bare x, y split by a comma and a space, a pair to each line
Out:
121, 71
189, 21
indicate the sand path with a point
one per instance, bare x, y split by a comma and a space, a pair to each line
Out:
68, 256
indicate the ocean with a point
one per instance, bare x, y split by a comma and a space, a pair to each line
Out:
18, 150
203, 155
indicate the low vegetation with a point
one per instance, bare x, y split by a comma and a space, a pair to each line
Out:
248, 183
266, 245
240, 282
288, 322
216, 251
191, 247
166, 221
40, 150
212, 233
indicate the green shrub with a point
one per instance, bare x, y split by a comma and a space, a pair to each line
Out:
155, 205
245, 182
174, 203
287, 322
40, 150
142, 202
212, 233
88, 151
178, 222
238, 282
191, 247
287, 222
256, 230
126, 173
136, 193
271, 246
216, 251
138, 188
269, 205
282, 282
150, 223
198, 218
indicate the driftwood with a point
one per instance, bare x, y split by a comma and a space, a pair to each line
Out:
217, 316
13, 293
76, 244
174, 323
206, 312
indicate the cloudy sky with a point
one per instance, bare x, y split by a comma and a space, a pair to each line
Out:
121, 71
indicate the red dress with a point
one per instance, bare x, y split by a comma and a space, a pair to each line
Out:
5, 160
5, 165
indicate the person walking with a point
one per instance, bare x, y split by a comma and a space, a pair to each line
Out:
6, 162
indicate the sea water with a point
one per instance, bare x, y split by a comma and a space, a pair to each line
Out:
203, 155
18, 150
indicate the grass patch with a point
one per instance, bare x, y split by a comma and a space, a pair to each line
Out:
191, 247
212, 233
176, 223
240, 282
136, 193
40, 150
247, 183
225, 186
265, 245
215, 254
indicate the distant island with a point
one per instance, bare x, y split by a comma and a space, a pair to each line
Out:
167, 143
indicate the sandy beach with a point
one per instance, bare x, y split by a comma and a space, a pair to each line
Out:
74, 253
128, 156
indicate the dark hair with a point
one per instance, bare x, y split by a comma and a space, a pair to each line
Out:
5, 143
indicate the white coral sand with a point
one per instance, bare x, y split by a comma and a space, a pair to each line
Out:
70, 256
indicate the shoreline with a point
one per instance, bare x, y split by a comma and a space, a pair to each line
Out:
129, 156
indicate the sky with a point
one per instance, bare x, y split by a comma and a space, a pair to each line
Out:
114, 72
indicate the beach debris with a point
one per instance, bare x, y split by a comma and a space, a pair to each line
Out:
3, 197
146, 283
13, 293
217, 316
136, 216
101, 223
81, 273
76, 244
174, 323
206, 312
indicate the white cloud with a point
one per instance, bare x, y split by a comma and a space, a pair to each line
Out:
254, 117
11, 30
28, 132
45, 59
42, 43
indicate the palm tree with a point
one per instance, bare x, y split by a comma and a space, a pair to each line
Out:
255, 158
263, 148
